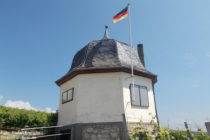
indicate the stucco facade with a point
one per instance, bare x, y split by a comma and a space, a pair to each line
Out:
104, 97
138, 113
97, 98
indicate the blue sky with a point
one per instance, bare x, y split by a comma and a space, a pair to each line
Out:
38, 39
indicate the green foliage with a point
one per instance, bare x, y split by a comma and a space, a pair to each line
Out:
140, 132
20, 118
178, 135
201, 136
160, 133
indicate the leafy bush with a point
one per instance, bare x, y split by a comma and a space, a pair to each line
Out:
160, 133
178, 135
140, 132
20, 118
201, 136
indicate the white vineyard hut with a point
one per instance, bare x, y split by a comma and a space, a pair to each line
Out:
96, 97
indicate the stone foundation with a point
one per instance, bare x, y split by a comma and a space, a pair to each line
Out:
96, 131
101, 132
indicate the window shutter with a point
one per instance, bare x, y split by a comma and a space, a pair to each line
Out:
65, 97
144, 96
70, 94
135, 95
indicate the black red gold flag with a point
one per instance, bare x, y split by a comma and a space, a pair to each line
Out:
121, 15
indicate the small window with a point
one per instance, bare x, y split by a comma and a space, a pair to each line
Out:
139, 95
67, 95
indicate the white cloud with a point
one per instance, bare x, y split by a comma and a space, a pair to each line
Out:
1, 97
19, 104
26, 105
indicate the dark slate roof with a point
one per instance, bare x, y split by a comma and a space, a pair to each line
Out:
106, 54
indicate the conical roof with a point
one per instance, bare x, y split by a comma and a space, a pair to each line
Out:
106, 55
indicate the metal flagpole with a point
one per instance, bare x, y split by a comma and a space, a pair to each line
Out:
131, 45
130, 38
132, 87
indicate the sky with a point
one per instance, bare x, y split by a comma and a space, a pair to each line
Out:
38, 40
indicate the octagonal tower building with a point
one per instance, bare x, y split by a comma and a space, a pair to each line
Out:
97, 96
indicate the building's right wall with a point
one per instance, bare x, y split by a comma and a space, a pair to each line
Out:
136, 113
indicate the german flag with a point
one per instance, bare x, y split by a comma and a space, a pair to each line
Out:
121, 15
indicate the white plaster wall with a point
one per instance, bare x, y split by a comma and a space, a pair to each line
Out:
103, 97
134, 113
97, 98
68, 111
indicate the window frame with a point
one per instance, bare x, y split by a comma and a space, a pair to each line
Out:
131, 97
67, 91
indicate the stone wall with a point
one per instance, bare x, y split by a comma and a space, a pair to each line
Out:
95, 131
102, 132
